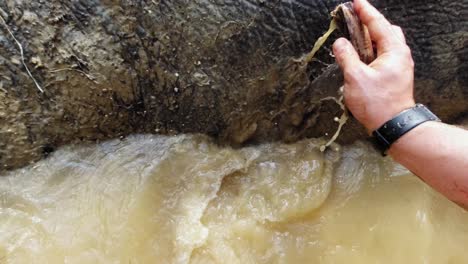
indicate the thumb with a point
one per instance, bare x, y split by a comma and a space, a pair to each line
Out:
346, 55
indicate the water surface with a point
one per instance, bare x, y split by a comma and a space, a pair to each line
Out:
156, 199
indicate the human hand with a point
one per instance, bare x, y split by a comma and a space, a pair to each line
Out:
377, 92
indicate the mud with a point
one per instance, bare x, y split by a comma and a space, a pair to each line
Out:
223, 68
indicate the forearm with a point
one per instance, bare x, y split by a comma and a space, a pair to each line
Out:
438, 154
377, 92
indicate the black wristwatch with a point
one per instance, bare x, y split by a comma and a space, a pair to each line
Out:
401, 124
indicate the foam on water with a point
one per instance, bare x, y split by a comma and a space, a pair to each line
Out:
156, 199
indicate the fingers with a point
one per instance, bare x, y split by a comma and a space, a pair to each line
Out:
346, 55
399, 33
380, 30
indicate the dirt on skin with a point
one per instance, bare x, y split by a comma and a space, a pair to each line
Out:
223, 68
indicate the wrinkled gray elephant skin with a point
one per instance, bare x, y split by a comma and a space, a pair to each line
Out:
229, 69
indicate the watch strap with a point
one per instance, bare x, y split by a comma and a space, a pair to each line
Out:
401, 124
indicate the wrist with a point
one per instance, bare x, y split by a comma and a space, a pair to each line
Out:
411, 136
386, 114
398, 126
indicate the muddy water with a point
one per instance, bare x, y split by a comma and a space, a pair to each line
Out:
153, 199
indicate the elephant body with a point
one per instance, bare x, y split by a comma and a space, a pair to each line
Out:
228, 69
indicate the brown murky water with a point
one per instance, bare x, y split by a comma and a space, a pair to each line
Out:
155, 199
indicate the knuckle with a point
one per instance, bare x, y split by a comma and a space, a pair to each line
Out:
405, 56
411, 62
408, 57
406, 51
398, 29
